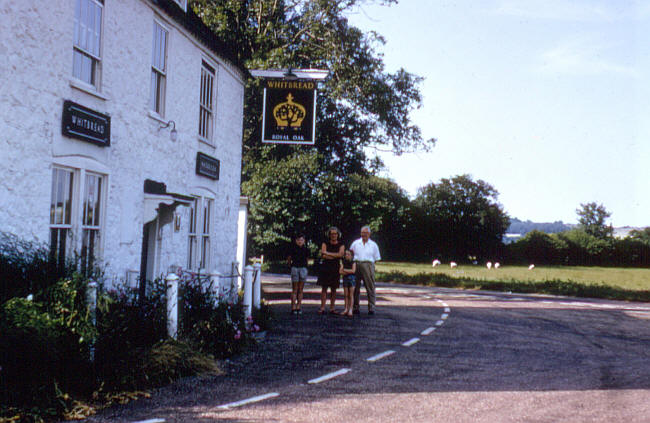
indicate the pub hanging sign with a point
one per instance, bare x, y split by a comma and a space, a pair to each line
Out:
86, 124
289, 114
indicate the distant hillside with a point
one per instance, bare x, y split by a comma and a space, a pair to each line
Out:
523, 227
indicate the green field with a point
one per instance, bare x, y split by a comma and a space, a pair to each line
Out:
599, 282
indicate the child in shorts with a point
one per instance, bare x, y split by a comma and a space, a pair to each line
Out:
298, 262
347, 269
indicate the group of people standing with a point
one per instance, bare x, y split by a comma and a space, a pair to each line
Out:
353, 265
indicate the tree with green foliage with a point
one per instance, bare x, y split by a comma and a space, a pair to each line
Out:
459, 217
642, 235
361, 108
592, 217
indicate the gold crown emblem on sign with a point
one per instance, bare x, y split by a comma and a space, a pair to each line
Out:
289, 113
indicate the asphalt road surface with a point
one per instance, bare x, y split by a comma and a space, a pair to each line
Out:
428, 355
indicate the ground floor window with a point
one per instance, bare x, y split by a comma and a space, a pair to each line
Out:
198, 256
76, 216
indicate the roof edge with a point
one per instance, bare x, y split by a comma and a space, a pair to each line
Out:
193, 23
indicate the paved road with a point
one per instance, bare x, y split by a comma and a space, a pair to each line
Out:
429, 355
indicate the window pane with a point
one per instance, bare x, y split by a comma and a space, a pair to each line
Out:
89, 240
68, 197
154, 90
191, 257
77, 22
91, 202
98, 30
58, 245
83, 31
60, 210
83, 67
205, 252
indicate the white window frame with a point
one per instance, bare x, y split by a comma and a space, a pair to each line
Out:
92, 215
87, 42
62, 214
78, 231
207, 101
199, 253
159, 65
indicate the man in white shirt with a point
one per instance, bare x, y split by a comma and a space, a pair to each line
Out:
366, 253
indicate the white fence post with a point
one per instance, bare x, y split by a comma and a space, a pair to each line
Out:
257, 285
248, 288
172, 305
91, 298
215, 285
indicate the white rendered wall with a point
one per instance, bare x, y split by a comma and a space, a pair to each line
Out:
36, 77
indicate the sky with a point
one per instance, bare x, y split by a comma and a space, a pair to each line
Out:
548, 101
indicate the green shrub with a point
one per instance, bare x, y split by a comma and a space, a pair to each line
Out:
43, 352
26, 268
212, 324
127, 329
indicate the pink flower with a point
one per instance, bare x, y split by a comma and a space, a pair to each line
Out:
256, 328
249, 318
238, 334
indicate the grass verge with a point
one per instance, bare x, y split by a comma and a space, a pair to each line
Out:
555, 286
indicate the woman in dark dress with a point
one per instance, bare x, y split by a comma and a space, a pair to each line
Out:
328, 277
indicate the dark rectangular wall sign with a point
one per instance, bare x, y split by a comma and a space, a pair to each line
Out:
85, 124
289, 114
207, 166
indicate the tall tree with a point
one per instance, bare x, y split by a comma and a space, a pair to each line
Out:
642, 235
362, 108
592, 219
460, 217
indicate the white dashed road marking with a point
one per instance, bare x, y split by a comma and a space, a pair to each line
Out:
411, 342
337, 373
248, 401
151, 421
329, 376
380, 356
427, 331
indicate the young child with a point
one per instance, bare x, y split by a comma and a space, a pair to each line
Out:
347, 270
298, 262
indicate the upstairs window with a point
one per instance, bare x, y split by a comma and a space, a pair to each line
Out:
158, 68
206, 113
86, 62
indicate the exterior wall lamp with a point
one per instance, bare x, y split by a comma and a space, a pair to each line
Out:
173, 135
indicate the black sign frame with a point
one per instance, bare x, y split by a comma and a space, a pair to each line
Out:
289, 112
85, 124
207, 166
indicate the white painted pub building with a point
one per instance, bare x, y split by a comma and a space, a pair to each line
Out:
120, 135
